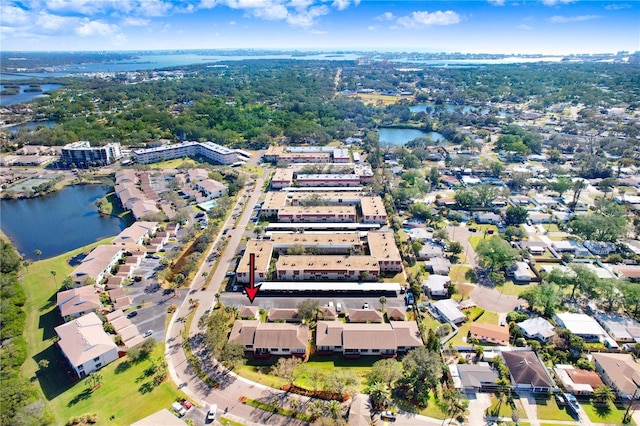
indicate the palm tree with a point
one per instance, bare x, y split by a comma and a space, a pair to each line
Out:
383, 301
37, 252
603, 394
334, 409
380, 395
53, 274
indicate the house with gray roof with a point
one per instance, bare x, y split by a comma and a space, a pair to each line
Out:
266, 339
449, 311
619, 371
474, 377
537, 328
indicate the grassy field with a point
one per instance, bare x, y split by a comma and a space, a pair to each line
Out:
513, 289
503, 409
547, 409
458, 273
474, 240
125, 393
432, 409
172, 164
609, 415
371, 98
40, 287
227, 422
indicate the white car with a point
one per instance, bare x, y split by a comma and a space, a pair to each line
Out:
179, 409
211, 414
147, 333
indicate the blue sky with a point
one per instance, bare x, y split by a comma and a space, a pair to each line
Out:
471, 26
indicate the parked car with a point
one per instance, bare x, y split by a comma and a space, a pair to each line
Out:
473, 229
338, 307
409, 298
178, 408
186, 404
147, 333
211, 414
132, 314
365, 305
388, 416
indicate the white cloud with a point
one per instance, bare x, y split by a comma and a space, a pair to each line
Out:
524, 27
300, 4
560, 19
308, 17
618, 6
47, 22
387, 16
276, 12
232, 22
12, 15
372, 28
555, 2
95, 28
420, 19
497, 2
88, 7
153, 8
343, 4
136, 22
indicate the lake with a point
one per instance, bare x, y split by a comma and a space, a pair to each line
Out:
395, 136
6, 100
449, 107
30, 125
58, 222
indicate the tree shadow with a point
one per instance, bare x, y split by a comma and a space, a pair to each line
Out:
122, 367
48, 322
51, 302
602, 410
54, 380
85, 394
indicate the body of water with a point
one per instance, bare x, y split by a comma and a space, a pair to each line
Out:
449, 107
30, 125
58, 222
22, 96
395, 136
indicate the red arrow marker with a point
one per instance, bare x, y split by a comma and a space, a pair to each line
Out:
252, 289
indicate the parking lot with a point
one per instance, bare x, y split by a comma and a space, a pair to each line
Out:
154, 300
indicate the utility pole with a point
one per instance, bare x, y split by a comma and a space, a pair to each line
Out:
627, 418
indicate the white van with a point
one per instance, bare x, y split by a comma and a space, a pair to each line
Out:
179, 409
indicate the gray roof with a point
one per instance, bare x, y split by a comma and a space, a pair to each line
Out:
475, 375
527, 369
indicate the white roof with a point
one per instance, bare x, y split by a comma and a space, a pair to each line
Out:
449, 309
580, 324
329, 286
437, 282
84, 339
537, 326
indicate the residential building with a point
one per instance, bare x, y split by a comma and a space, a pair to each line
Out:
438, 265
266, 339
537, 328
328, 180
85, 344
83, 155
97, 265
577, 381
262, 251
373, 210
581, 325
345, 214
209, 150
621, 329
283, 315
528, 373
490, 333
321, 243
136, 234
282, 178
437, 285
523, 272
327, 268
382, 246
356, 339
620, 372
78, 301
474, 377
365, 316
449, 311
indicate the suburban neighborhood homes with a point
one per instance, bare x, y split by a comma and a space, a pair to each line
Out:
621, 372
528, 372
353, 340
209, 188
271, 338
85, 344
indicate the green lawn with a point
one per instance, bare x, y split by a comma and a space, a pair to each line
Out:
503, 409
260, 374
474, 240
547, 409
175, 163
512, 289
227, 422
125, 393
610, 414
458, 273
40, 287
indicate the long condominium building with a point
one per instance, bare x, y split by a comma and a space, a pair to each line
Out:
209, 150
319, 243
327, 268
333, 214
82, 154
